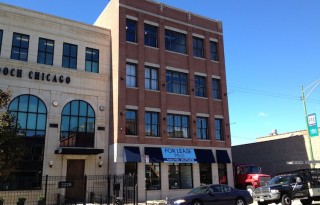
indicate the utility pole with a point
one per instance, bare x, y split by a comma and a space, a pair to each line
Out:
303, 98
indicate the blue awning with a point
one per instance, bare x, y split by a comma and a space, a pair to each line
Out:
132, 154
223, 157
154, 153
204, 156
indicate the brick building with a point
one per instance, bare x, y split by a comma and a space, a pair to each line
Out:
279, 152
168, 96
149, 82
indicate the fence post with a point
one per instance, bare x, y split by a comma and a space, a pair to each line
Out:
46, 190
108, 194
85, 190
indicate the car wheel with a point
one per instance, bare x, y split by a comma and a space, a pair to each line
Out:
250, 189
286, 200
306, 201
240, 201
196, 202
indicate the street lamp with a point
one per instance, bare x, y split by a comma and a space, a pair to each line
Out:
312, 87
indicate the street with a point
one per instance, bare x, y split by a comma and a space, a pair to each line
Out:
295, 202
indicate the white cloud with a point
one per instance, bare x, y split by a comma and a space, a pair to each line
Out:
262, 114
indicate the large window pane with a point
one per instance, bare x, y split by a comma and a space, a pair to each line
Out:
33, 124
176, 82
69, 58
178, 126
20, 47
131, 122
77, 125
131, 76
45, 51
153, 176
205, 174
180, 176
175, 41
92, 60
131, 30
150, 35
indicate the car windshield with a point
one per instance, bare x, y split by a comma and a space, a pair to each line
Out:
279, 180
199, 190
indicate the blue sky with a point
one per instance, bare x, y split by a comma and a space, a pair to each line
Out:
272, 48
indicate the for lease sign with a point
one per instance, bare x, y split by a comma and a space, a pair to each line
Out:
178, 155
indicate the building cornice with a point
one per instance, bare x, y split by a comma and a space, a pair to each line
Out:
172, 20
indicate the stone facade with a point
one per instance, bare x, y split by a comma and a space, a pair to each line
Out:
55, 85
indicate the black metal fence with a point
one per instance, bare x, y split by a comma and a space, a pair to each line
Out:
56, 190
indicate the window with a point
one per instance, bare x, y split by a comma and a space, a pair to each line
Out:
214, 50
176, 42
130, 178
178, 126
180, 176
92, 60
153, 176
45, 51
200, 86
216, 88
69, 58
131, 30
198, 50
177, 82
77, 125
151, 78
219, 131
202, 128
150, 35
1, 35
222, 172
131, 122
131, 75
31, 115
151, 124
205, 174
20, 46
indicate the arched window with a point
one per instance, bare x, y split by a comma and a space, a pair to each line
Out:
77, 125
31, 114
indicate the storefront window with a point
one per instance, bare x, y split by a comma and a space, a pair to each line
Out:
222, 170
205, 174
153, 177
180, 176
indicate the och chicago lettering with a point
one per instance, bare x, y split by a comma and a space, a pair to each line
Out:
13, 72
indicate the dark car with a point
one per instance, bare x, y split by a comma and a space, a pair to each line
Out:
216, 194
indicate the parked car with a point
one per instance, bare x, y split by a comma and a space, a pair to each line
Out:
213, 194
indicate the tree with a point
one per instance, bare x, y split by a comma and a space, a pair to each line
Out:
11, 143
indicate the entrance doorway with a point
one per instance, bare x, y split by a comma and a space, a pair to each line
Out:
75, 174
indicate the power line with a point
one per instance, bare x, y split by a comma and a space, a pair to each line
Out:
268, 93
